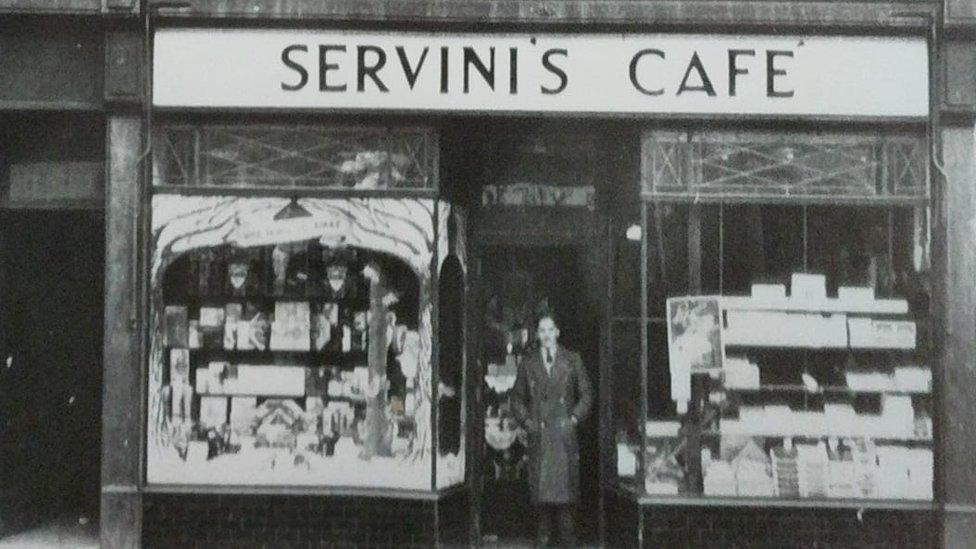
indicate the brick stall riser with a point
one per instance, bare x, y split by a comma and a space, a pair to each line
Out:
753, 527
250, 521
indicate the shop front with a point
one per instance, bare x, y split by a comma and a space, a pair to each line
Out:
344, 237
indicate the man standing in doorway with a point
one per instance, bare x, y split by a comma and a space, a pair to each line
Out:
552, 396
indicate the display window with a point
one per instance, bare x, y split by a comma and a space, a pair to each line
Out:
785, 349
292, 341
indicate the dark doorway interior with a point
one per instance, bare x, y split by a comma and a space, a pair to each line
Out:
51, 323
519, 282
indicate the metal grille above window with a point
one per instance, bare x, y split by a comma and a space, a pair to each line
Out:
295, 157
757, 167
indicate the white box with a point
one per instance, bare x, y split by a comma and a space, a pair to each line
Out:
808, 286
855, 294
769, 291
213, 411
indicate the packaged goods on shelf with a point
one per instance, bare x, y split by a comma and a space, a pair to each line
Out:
719, 479
197, 451
662, 429
769, 291
213, 411
812, 424
292, 326
869, 381
774, 328
280, 381
233, 312
211, 317
897, 416
841, 474
865, 467
753, 474
907, 473
916, 379
322, 331
194, 337
812, 465
867, 333
923, 425
855, 294
786, 470
176, 326
626, 460
839, 417
181, 395
317, 381
243, 414
663, 474
740, 373
179, 366
808, 286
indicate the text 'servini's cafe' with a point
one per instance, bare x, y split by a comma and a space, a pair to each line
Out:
352, 232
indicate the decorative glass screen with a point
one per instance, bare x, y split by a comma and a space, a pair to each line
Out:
361, 158
757, 166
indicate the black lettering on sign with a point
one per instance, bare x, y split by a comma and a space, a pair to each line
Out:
364, 70
325, 67
772, 72
411, 73
734, 70
557, 71
513, 71
633, 71
487, 72
706, 86
302, 73
444, 69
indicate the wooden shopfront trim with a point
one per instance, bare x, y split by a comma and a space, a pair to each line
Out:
318, 491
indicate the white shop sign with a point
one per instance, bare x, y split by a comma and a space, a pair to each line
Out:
581, 73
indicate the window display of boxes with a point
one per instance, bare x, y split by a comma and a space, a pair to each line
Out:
786, 329
869, 381
812, 466
740, 373
868, 333
786, 469
915, 379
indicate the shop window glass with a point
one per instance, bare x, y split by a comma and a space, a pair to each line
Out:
626, 394
804, 370
291, 342
295, 157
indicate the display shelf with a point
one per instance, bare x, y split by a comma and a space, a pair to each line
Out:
783, 434
736, 345
777, 501
822, 390
829, 305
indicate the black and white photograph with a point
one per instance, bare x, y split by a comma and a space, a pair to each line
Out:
495, 274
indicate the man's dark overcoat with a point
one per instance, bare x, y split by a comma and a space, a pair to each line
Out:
545, 404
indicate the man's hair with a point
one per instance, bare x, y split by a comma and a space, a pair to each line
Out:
544, 316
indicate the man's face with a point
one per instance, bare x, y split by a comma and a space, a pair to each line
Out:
547, 332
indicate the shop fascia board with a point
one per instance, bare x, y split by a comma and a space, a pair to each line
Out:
69, 7
839, 14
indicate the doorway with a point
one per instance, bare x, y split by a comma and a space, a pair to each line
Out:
518, 284
51, 325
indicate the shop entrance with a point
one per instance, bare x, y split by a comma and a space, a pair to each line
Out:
517, 285
51, 324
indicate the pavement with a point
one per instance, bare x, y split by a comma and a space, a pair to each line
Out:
66, 531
